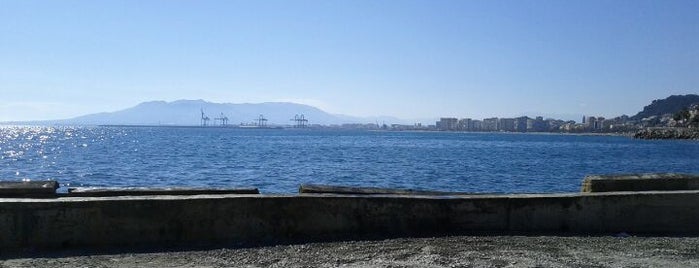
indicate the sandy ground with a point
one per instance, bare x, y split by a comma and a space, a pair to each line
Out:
456, 251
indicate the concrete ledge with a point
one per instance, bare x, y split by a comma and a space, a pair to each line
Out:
251, 219
329, 189
640, 182
138, 191
37, 189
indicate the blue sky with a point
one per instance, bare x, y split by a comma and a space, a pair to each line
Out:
409, 59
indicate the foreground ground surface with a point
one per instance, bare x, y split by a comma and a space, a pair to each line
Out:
456, 251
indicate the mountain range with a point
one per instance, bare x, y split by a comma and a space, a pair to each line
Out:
188, 112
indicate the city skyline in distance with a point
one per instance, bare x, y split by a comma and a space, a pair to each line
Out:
412, 60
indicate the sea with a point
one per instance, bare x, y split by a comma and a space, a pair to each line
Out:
278, 161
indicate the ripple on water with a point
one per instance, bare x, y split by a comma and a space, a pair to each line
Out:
277, 161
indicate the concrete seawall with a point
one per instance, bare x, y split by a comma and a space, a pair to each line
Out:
242, 219
640, 182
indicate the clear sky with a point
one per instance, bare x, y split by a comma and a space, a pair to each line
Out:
409, 59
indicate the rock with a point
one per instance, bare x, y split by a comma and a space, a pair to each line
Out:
668, 133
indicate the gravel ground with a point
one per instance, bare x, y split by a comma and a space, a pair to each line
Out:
455, 251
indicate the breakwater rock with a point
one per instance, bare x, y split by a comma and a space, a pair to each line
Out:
667, 133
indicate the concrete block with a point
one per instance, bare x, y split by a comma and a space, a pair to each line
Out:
28, 188
330, 189
139, 191
640, 182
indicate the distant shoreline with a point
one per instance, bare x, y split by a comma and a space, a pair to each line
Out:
660, 133
191, 126
630, 134
376, 130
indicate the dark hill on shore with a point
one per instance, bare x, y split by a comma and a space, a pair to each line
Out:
669, 105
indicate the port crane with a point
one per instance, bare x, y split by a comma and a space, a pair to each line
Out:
261, 121
300, 121
222, 118
204, 119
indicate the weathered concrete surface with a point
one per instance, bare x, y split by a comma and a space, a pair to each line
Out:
251, 219
138, 191
330, 189
28, 188
640, 182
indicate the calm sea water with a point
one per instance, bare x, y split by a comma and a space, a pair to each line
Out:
278, 161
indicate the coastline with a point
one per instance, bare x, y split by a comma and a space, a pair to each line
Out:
612, 134
667, 133
659, 133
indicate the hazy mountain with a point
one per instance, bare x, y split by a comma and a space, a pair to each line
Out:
669, 105
188, 112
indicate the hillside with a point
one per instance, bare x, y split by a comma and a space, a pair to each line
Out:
187, 112
669, 105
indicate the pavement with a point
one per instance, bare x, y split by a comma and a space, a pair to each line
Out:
619, 250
